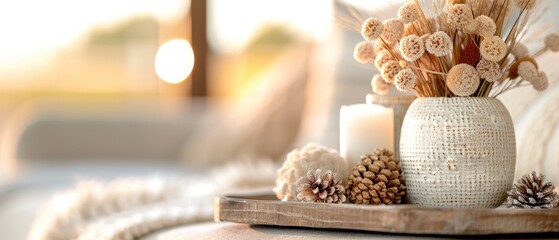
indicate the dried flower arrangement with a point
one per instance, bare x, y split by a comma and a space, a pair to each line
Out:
467, 48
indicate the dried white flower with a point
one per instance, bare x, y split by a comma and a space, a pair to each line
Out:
409, 12
490, 71
393, 30
411, 47
486, 26
459, 15
520, 51
379, 86
493, 48
524, 3
372, 29
552, 42
364, 52
405, 80
438, 44
389, 70
541, 83
528, 71
299, 162
463, 80
471, 27
383, 57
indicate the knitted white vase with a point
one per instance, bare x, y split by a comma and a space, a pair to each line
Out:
458, 152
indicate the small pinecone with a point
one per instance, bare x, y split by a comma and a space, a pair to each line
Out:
377, 179
531, 192
320, 187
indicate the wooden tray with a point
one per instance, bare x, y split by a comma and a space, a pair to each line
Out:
266, 209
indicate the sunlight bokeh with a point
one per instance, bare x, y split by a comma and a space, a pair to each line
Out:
174, 61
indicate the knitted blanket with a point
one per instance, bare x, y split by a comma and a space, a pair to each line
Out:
130, 208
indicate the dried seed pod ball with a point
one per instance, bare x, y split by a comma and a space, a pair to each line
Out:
438, 44
371, 29
299, 162
552, 42
520, 51
321, 187
411, 47
463, 80
389, 70
393, 30
383, 57
364, 52
524, 3
528, 71
487, 26
379, 86
409, 12
541, 83
513, 69
471, 27
459, 15
405, 80
490, 71
493, 48
376, 179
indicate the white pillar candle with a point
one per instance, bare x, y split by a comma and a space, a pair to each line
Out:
364, 128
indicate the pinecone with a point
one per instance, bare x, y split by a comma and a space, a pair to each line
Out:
531, 192
377, 179
320, 187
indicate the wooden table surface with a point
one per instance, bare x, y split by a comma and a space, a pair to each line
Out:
236, 231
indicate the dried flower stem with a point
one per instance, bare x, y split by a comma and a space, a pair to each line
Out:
390, 50
424, 20
540, 52
427, 70
497, 28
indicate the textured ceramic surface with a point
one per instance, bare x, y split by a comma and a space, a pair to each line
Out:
458, 152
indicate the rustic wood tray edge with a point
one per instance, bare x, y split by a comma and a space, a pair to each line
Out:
265, 209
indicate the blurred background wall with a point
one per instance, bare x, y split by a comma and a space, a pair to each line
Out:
68, 61
177, 80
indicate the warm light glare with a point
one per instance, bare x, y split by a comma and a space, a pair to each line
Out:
174, 61
230, 31
33, 31
367, 6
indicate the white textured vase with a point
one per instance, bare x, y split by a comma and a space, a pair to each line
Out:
458, 152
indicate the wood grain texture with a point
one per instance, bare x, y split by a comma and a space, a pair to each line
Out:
267, 210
